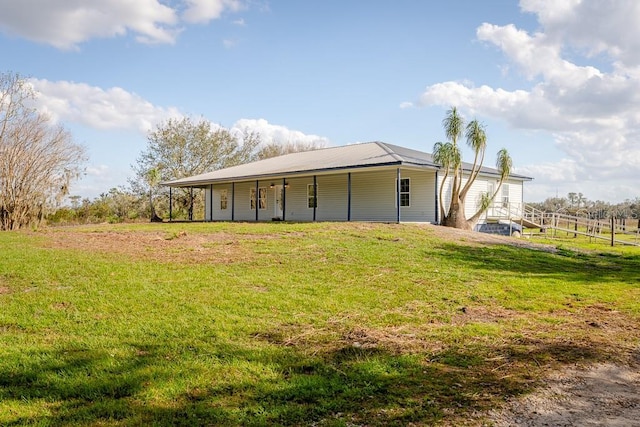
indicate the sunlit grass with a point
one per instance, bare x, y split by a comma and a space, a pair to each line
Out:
295, 324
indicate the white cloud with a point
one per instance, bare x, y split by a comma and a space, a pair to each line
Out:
270, 133
592, 112
114, 108
203, 11
229, 43
65, 24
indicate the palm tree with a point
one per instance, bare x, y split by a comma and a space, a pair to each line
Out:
448, 155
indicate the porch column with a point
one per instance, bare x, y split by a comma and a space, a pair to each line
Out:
233, 200
349, 196
437, 201
284, 198
190, 203
170, 204
257, 198
211, 204
398, 195
315, 196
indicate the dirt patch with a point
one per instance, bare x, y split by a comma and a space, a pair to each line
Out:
474, 238
160, 246
600, 395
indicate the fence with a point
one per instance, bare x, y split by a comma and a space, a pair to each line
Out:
622, 231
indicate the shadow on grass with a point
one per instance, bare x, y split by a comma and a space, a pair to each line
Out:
341, 386
566, 265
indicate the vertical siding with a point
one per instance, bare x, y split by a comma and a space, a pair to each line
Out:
333, 197
296, 200
421, 194
220, 214
373, 196
243, 211
515, 192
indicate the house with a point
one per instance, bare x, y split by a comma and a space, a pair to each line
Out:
372, 181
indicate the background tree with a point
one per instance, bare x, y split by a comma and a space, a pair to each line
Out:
38, 160
275, 149
178, 148
153, 179
447, 154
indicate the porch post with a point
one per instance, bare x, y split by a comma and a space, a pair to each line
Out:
170, 204
315, 196
437, 201
349, 196
211, 204
190, 203
284, 199
257, 197
233, 200
398, 194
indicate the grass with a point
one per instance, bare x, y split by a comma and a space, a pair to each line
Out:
296, 324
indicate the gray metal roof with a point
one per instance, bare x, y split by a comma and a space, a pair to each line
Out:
369, 154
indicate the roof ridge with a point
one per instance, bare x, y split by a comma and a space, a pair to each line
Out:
389, 151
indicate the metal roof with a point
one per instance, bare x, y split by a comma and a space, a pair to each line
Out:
363, 155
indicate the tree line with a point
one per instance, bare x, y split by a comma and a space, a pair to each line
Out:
579, 205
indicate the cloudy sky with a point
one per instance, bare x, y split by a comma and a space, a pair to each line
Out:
557, 82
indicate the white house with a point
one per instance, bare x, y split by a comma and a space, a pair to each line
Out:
371, 181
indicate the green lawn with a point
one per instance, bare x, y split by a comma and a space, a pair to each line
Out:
295, 324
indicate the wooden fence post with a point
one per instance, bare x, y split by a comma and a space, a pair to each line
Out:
613, 231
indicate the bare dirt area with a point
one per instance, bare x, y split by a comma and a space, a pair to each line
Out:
600, 395
476, 238
159, 246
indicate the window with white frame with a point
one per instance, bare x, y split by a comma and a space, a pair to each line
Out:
224, 201
262, 198
405, 192
312, 198
505, 195
490, 189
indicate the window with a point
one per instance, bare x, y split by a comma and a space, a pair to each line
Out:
405, 193
312, 199
262, 198
490, 189
505, 195
223, 199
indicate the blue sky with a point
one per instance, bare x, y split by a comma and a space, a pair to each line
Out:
557, 83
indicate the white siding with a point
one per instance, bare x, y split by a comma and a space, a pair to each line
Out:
422, 192
333, 198
373, 196
219, 214
296, 201
242, 202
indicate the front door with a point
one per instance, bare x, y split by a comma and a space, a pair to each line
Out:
278, 205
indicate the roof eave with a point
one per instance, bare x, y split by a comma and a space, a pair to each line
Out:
204, 182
